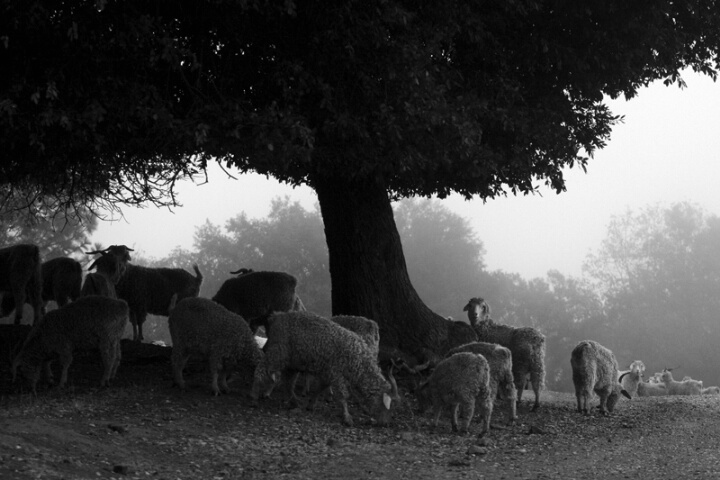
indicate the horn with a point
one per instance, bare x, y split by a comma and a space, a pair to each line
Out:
242, 271
97, 251
621, 377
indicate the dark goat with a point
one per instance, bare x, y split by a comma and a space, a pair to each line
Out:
20, 275
121, 252
242, 271
255, 295
149, 290
102, 282
61, 280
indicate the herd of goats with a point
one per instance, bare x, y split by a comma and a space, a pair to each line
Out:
340, 353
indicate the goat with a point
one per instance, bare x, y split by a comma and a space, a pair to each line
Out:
21, 275
102, 282
61, 279
201, 326
687, 387
89, 322
149, 290
526, 344
254, 295
301, 341
460, 381
595, 370
633, 382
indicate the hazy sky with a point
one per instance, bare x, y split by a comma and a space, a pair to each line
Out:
667, 150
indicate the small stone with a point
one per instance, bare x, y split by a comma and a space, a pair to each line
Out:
484, 442
477, 450
333, 442
117, 428
535, 430
122, 469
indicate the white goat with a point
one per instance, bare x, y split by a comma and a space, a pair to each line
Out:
595, 370
688, 387
634, 384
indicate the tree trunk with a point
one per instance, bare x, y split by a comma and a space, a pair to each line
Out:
368, 272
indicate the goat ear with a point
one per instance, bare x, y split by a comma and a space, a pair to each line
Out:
466, 307
624, 392
387, 401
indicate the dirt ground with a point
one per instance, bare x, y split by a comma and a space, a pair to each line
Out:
143, 428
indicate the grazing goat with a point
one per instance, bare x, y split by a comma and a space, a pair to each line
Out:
254, 295
710, 391
201, 326
502, 383
687, 387
461, 381
526, 344
20, 274
301, 341
87, 323
365, 328
595, 370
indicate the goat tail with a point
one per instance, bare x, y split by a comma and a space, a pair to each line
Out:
198, 275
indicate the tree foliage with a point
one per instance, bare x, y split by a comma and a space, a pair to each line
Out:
449, 96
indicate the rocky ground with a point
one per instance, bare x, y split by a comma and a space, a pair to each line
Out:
143, 428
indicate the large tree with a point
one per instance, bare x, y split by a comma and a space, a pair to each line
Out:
364, 101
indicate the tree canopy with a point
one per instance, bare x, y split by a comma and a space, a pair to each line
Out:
434, 97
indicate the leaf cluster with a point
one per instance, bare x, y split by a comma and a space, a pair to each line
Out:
117, 100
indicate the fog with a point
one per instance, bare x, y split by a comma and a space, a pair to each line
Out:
665, 151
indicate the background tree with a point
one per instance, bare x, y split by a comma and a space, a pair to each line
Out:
290, 239
364, 101
56, 234
662, 307
445, 257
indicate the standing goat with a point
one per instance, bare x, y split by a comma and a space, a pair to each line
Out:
150, 290
461, 381
502, 382
526, 344
61, 279
595, 370
108, 270
254, 295
20, 274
